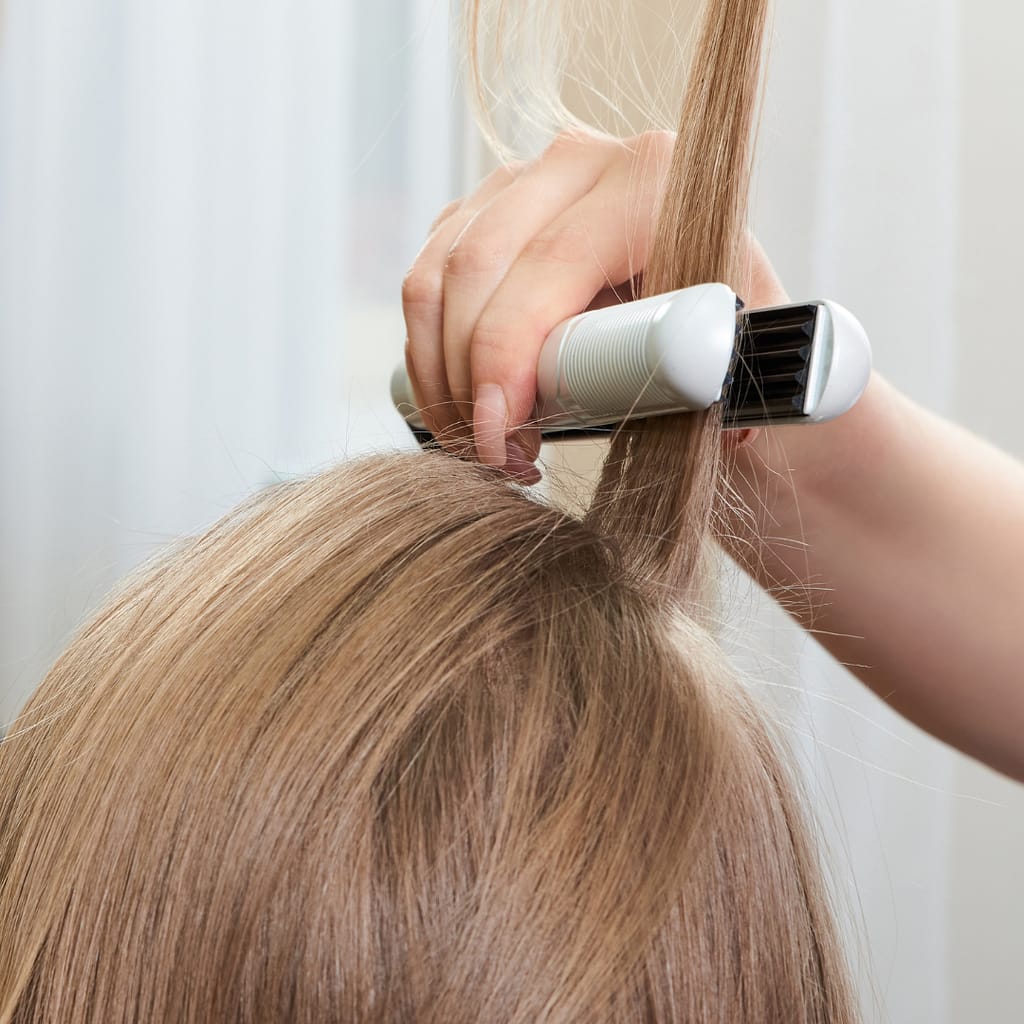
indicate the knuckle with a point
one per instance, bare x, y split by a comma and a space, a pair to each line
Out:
461, 391
421, 290
566, 244
572, 139
492, 338
661, 140
472, 259
560, 142
651, 161
505, 173
654, 147
503, 339
446, 211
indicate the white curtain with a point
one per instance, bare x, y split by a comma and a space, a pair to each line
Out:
854, 201
205, 212
871, 176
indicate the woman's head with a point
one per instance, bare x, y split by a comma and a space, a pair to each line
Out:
400, 743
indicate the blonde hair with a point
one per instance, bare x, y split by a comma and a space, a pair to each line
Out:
400, 743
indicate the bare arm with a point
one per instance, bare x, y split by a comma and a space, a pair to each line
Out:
908, 532
913, 553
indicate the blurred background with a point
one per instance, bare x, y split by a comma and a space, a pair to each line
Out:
206, 209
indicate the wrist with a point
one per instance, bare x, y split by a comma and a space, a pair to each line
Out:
793, 487
822, 459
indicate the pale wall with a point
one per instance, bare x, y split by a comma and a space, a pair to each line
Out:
981, 967
987, 895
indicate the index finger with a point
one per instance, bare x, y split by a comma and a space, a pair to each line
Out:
601, 242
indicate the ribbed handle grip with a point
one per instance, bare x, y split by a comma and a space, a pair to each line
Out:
605, 362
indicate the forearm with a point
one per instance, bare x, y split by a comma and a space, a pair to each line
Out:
899, 539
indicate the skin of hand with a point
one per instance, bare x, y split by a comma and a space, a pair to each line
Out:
897, 537
534, 244
881, 527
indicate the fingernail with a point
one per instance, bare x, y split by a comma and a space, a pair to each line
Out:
490, 418
516, 453
740, 437
520, 463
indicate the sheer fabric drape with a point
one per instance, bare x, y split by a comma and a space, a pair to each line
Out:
205, 213
891, 155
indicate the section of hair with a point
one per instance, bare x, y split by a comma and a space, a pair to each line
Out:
661, 488
537, 67
398, 743
662, 478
